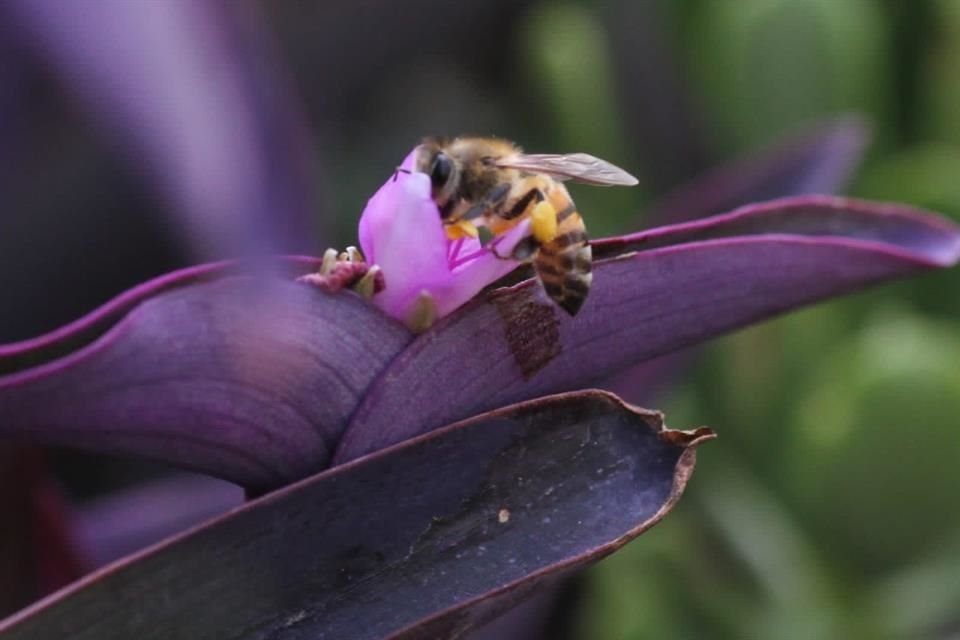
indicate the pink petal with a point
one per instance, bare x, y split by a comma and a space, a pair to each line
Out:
471, 277
403, 234
401, 231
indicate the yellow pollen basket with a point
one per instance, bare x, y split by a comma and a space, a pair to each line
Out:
543, 222
462, 229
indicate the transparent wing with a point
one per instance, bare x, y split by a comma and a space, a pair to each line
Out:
579, 167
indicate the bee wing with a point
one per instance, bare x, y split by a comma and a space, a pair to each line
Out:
579, 167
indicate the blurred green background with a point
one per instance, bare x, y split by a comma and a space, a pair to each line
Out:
828, 507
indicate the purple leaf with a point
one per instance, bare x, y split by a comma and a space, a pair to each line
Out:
684, 284
129, 519
424, 540
819, 161
249, 379
18, 356
259, 381
189, 88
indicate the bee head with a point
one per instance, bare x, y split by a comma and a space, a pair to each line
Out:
442, 169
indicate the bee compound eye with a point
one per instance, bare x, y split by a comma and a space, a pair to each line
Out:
441, 170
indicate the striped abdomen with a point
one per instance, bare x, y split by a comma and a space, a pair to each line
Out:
564, 264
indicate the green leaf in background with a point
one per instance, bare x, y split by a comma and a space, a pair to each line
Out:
924, 174
941, 86
765, 65
877, 480
571, 78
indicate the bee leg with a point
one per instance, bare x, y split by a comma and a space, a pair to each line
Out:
523, 203
463, 226
543, 221
461, 229
488, 203
522, 251
525, 249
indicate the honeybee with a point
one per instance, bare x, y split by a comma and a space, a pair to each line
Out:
491, 182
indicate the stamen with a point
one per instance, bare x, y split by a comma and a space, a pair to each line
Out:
352, 254
329, 262
370, 283
423, 313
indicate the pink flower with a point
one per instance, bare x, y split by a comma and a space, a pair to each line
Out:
424, 270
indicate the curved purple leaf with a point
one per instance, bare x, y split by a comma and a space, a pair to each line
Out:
22, 355
897, 229
423, 540
129, 519
249, 379
818, 161
261, 390
821, 160
190, 89
679, 286
18, 356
